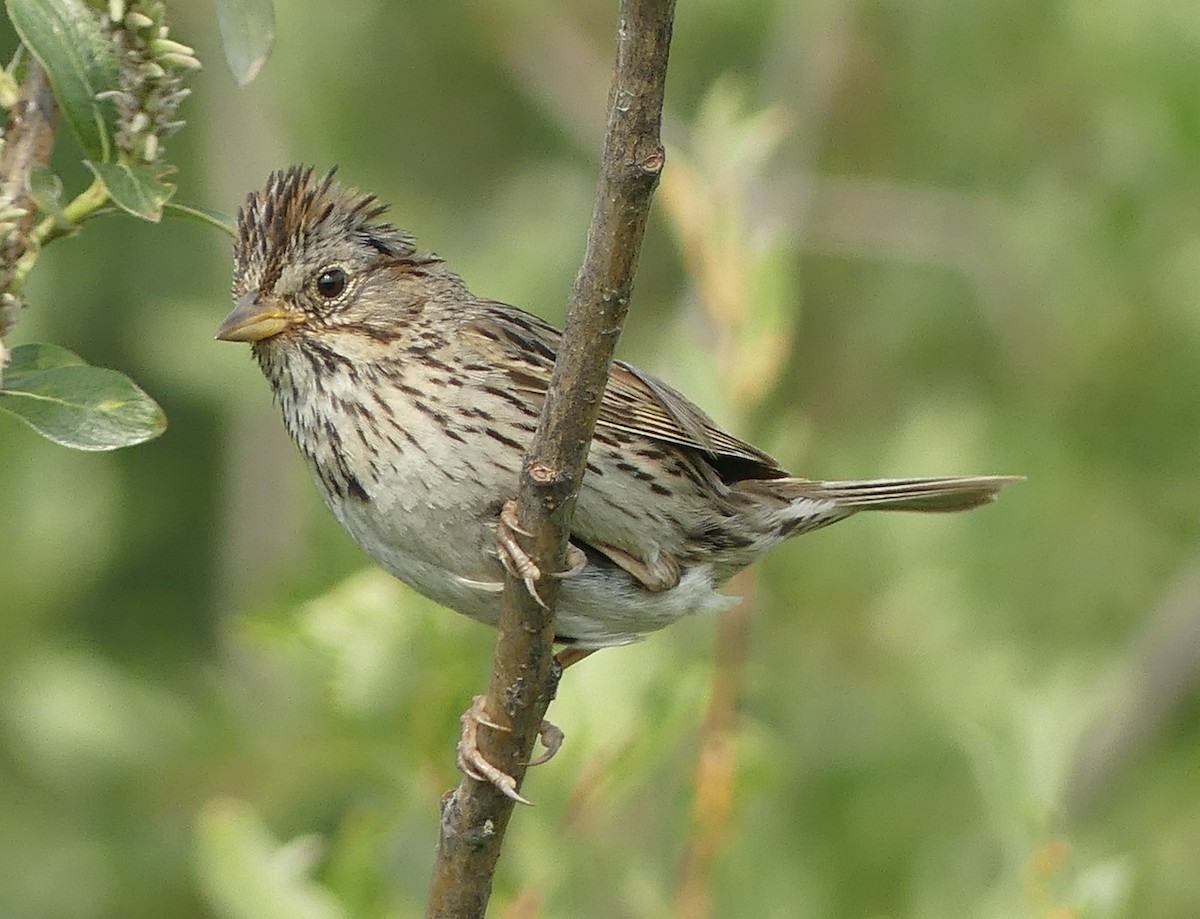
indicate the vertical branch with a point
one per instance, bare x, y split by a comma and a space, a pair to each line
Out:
713, 780
475, 815
28, 141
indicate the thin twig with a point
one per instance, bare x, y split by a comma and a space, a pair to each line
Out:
1161, 676
716, 766
475, 815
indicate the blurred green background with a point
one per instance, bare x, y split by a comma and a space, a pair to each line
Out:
892, 239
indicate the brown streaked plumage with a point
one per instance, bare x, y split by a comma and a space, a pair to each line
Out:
413, 401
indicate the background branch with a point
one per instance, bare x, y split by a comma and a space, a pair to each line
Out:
475, 815
28, 141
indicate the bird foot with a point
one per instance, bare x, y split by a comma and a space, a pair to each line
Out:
473, 763
516, 560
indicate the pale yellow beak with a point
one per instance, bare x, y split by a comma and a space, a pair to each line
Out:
253, 320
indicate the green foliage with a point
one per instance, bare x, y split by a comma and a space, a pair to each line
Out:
67, 37
134, 188
66, 401
248, 875
46, 188
970, 236
117, 79
247, 33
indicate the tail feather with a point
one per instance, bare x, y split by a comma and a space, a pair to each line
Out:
948, 493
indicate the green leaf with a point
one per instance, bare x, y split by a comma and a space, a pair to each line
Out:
46, 189
244, 871
10, 89
77, 405
66, 37
203, 215
138, 190
27, 359
247, 33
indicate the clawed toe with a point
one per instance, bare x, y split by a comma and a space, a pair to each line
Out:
508, 516
516, 560
552, 740
472, 763
576, 559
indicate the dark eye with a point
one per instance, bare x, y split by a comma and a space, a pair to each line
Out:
331, 282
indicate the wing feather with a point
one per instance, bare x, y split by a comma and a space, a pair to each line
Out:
634, 402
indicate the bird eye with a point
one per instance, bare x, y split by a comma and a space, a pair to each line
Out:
331, 282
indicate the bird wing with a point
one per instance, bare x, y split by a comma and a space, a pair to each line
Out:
634, 402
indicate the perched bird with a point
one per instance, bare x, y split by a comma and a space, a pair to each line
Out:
413, 401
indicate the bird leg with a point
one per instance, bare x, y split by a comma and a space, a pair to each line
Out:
569, 656
517, 563
472, 762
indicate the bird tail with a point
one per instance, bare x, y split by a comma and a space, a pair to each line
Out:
947, 493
